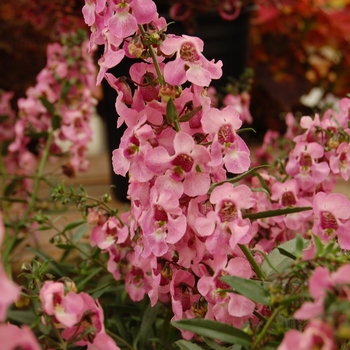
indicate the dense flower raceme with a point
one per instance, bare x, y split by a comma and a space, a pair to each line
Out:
60, 103
187, 221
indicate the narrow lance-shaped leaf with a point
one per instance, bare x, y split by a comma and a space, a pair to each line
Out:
253, 290
279, 261
239, 177
215, 330
189, 115
47, 104
276, 212
186, 345
171, 112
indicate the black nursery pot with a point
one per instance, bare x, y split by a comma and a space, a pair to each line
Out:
223, 40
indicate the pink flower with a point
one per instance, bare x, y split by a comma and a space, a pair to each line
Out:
320, 283
91, 317
226, 306
340, 161
112, 232
13, 337
164, 222
223, 124
189, 64
317, 335
67, 308
241, 103
130, 156
225, 226
305, 166
286, 193
187, 164
332, 218
128, 15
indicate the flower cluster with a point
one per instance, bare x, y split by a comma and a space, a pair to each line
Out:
78, 314
224, 246
188, 220
61, 104
317, 155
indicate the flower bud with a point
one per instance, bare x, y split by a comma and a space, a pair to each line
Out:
136, 47
168, 91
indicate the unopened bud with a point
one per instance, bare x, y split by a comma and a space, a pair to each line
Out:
26, 268
200, 308
167, 272
22, 302
333, 142
168, 91
69, 284
136, 47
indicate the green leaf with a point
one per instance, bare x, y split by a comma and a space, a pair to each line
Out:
80, 284
10, 188
56, 122
286, 253
278, 260
245, 129
171, 112
263, 183
239, 177
54, 265
47, 104
65, 246
22, 316
253, 290
79, 233
214, 345
189, 115
148, 319
72, 225
299, 245
318, 245
215, 330
186, 345
65, 89
276, 212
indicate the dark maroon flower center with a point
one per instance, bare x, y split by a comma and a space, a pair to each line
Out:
288, 199
184, 161
228, 211
305, 160
189, 53
225, 134
160, 214
328, 221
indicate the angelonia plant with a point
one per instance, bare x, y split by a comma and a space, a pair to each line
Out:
221, 248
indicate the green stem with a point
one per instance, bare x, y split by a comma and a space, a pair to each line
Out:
31, 204
59, 336
262, 334
154, 59
119, 339
252, 261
